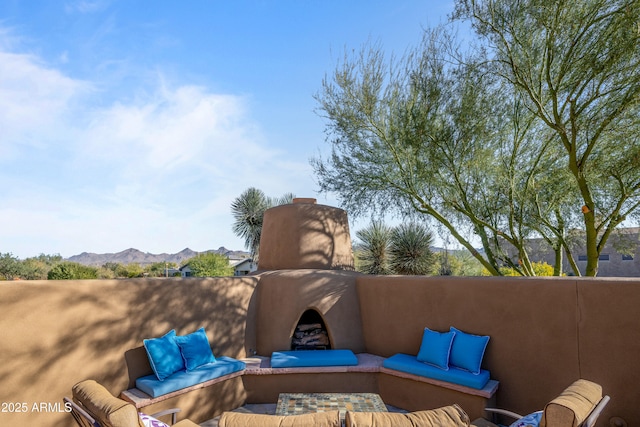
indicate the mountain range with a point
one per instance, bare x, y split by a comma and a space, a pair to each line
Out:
134, 256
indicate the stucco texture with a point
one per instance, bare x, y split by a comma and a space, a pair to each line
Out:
305, 235
57, 333
545, 333
282, 297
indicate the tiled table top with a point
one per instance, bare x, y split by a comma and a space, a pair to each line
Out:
304, 403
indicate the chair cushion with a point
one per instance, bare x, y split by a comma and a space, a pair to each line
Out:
450, 416
308, 358
531, 420
150, 421
195, 349
467, 350
107, 409
317, 419
409, 364
573, 405
222, 366
186, 423
164, 355
435, 348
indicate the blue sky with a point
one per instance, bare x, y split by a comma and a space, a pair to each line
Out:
136, 123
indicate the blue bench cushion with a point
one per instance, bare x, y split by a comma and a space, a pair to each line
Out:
309, 358
182, 379
410, 364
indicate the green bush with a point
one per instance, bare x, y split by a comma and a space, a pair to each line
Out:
539, 268
72, 271
210, 264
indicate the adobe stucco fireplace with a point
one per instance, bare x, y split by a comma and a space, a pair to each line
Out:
307, 278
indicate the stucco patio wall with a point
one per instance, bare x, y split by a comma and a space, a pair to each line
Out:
57, 333
545, 332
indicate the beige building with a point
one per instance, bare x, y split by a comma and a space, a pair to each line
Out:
619, 258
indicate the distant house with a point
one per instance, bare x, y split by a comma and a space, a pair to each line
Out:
244, 266
241, 267
185, 271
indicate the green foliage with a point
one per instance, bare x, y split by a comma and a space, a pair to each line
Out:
539, 268
457, 263
67, 270
159, 269
499, 143
35, 269
10, 267
248, 211
373, 250
410, 252
209, 264
106, 273
129, 270
575, 66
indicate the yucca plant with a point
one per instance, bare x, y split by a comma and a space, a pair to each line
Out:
248, 210
373, 249
410, 251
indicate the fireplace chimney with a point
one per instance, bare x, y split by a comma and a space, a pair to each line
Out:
304, 235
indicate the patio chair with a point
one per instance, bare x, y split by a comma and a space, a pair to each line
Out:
93, 405
579, 405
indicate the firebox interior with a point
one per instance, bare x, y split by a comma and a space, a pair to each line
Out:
310, 332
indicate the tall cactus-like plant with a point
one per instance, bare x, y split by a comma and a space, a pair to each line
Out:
248, 211
410, 251
404, 249
373, 249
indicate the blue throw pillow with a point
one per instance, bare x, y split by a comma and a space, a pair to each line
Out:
195, 349
531, 420
435, 348
467, 351
164, 355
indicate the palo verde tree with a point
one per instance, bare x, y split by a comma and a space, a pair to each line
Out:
422, 135
575, 64
456, 138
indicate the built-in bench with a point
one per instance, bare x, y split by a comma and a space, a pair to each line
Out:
409, 364
149, 389
261, 365
371, 363
141, 399
313, 358
366, 363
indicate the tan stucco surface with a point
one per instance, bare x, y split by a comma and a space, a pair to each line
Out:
545, 333
305, 235
533, 349
284, 295
57, 333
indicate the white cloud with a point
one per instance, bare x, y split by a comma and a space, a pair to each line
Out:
86, 6
157, 172
34, 100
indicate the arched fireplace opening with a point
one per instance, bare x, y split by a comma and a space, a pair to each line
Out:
310, 333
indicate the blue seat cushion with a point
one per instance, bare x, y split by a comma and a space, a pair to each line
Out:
410, 364
222, 366
310, 358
